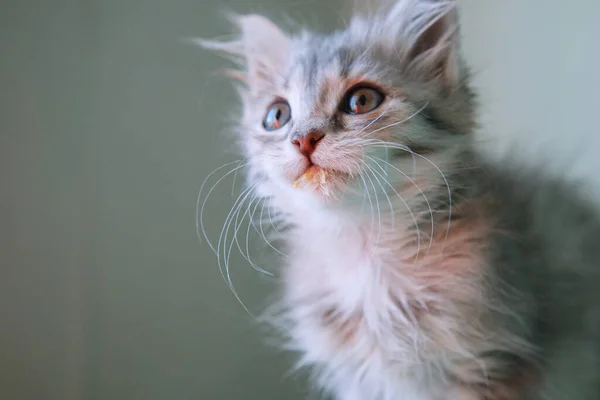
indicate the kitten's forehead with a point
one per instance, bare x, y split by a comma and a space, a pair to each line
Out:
320, 68
316, 56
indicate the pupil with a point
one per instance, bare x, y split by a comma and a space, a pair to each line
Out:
362, 100
278, 114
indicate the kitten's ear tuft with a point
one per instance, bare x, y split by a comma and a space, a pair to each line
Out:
432, 36
436, 49
261, 50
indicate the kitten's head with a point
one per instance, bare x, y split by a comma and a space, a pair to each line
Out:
321, 104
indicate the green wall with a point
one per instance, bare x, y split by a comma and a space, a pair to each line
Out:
108, 125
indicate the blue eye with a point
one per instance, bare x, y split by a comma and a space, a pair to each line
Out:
278, 114
363, 100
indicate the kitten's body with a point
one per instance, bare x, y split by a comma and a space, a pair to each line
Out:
512, 304
454, 278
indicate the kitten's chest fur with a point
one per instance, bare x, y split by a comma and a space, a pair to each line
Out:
376, 310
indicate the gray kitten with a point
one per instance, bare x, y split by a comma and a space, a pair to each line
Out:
416, 268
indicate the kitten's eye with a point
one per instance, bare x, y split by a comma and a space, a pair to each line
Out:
278, 115
362, 100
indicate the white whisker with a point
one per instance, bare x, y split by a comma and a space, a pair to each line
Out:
223, 262
235, 221
271, 220
413, 218
199, 216
382, 143
262, 232
375, 120
373, 172
367, 191
251, 224
420, 191
377, 204
399, 122
246, 254
233, 183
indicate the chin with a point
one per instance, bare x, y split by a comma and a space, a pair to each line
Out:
325, 183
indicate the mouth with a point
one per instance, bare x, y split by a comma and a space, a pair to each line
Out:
318, 179
312, 175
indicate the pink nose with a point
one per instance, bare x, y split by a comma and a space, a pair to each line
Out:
307, 144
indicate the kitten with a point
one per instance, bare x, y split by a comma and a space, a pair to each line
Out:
417, 269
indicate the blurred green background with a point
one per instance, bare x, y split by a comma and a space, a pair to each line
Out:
108, 125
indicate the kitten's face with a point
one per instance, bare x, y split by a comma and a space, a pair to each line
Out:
319, 110
321, 114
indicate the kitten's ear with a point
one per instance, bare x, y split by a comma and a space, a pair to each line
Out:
261, 50
432, 35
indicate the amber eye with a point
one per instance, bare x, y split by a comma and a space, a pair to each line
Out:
278, 114
362, 100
